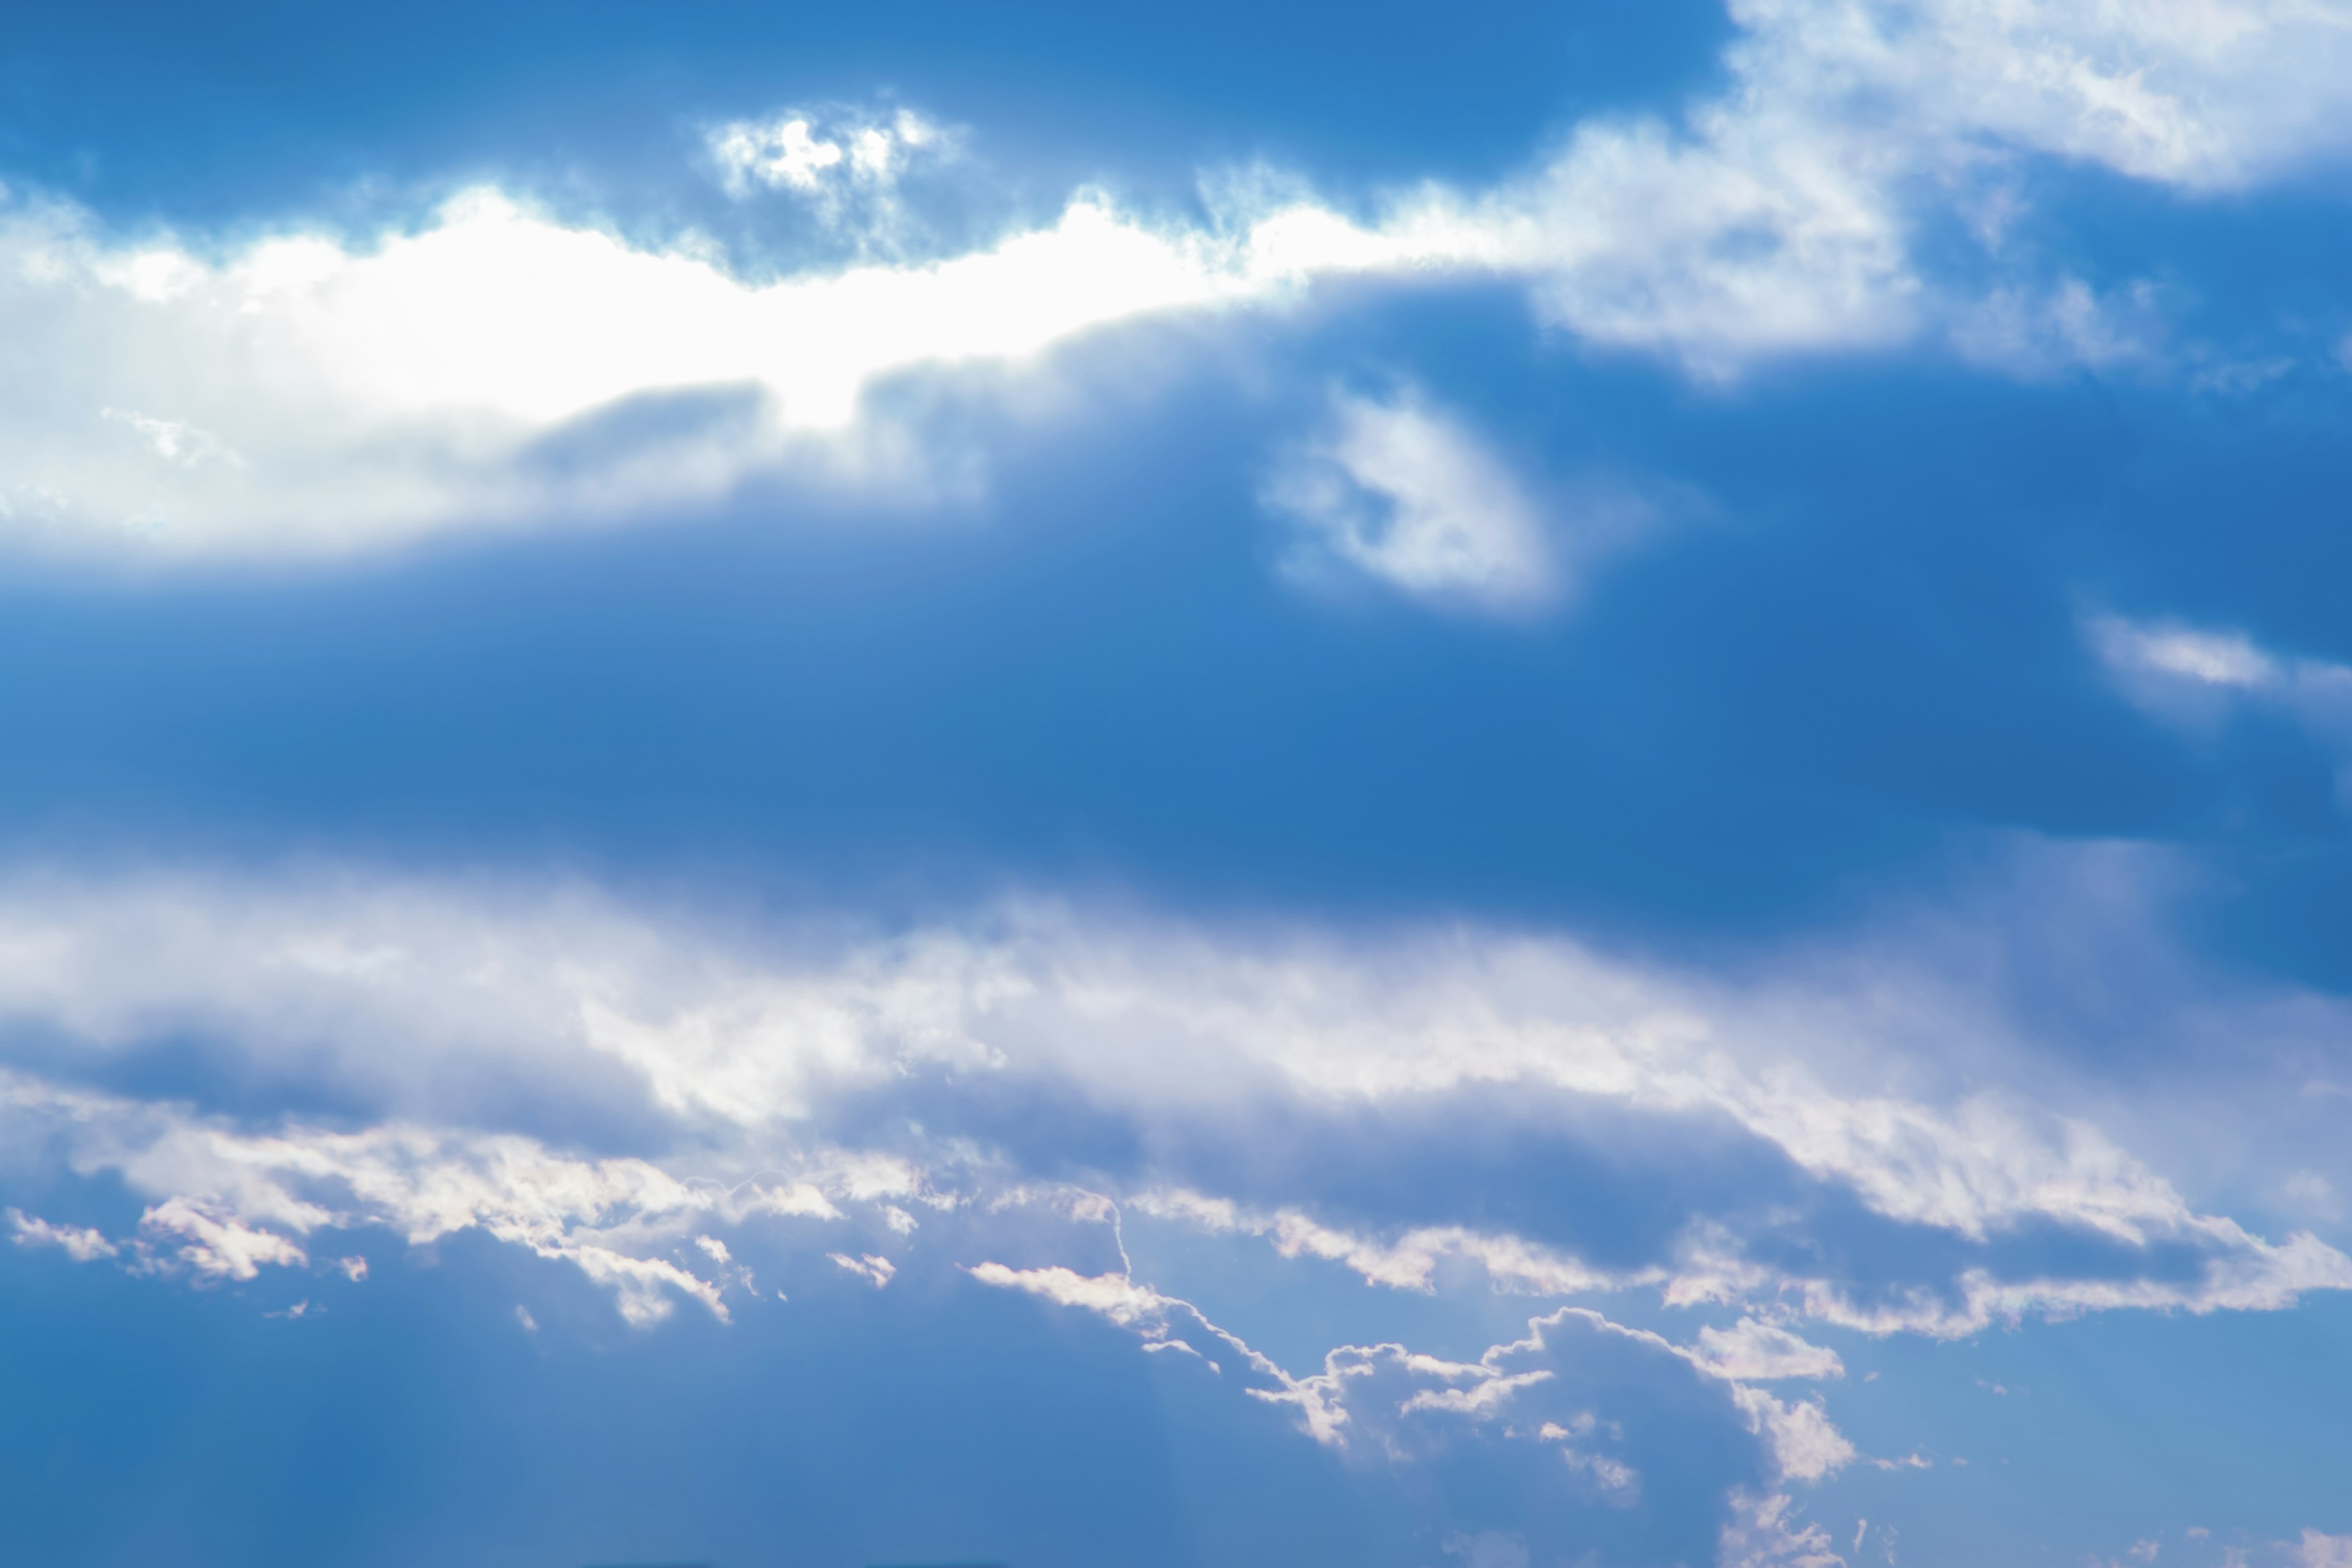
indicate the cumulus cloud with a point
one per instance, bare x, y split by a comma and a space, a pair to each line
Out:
1408, 495
311, 394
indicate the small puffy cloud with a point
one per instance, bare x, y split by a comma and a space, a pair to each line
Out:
1410, 497
216, 1246
80, 1243
819, 153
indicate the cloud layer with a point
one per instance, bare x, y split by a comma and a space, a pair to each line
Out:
310, 394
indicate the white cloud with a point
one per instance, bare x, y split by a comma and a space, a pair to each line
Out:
2205, 94
1408, 495
2194, 677
401, 993
309, 394
373, 392
216, 1247
2172, 652
738, 1051
80, 1243
2320, 1550
2046, 329
1751, 1351
874, 1268
815, 153
844, 166
1805, 1444
1759, 1534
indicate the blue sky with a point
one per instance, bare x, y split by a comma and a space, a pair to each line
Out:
1478, 790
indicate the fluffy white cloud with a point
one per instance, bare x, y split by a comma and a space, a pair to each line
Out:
1410, 497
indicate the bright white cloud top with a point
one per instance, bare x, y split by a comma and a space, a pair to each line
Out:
308, 394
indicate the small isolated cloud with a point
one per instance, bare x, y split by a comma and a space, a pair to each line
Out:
80, 1243
2195, 676
874, 1268
1411, 496
845, 167
822, 154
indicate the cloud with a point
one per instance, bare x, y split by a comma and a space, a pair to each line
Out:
844, 166
1561, 1413
752, 1071
1760, 1535
817, 155
874, 1268
217, 1247
80, 1243
1805, 1444
312, 395
2195, 676
2319, 1550
1408, 495
1753, 1351
658, 1102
